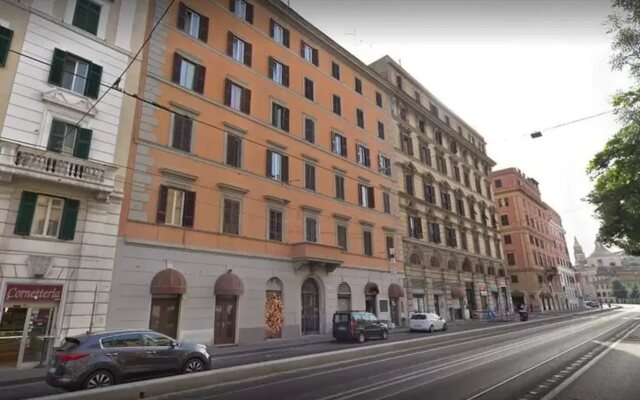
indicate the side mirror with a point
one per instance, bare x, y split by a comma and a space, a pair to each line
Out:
174, 344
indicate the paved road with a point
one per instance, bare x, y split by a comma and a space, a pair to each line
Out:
517, 362
442, 344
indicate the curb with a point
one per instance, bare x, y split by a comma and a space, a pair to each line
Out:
22, 381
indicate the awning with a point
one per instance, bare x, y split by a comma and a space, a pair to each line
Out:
396, 290
457, 292
371, 289
168, 281
229, 285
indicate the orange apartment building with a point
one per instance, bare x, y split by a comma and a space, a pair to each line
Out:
259, 192
534, 243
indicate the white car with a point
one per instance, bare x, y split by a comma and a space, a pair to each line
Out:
427, 322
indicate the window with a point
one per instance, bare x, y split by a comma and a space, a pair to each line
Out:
441, 164
182, 131
476, 243
466, 179
128, 340
310, 176
511, 259
429, 192
380, 130
366, 196
487, 246
384, 165
367, 239
309, 130
280, 117
478, 186
40, 215
416, 94
386, 203
439, 137
504, 220
498, 183
434, 232
472, 211
279, 72
339, 144
335, 70
242, 10
514, 278
425, 154
497, 249
69, 139
463, 240
447, 120
390, 246
408, 184
407, 144
456, 172
446, 200
450, 234
339, 186
277, 166
278, 33
460, 206
362, 155
453, 146
239, 50
507, 239
234, 151
337, 108
360, 118
434, 109
311, 229
358, 85
188, 74
5, 44
309, 90
192, 23
176, 207
73, 73
237, 97
276, 222
87, 16
379, 99
415, 227
231, 216
421, 126
342, 236
399, 81
309, 53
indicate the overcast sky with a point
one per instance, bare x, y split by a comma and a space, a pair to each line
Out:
508, 68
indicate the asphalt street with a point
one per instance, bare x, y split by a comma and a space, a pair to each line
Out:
518, 362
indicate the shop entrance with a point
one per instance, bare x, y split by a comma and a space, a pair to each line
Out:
25, 334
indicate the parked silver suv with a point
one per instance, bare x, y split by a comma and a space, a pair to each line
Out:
106, 358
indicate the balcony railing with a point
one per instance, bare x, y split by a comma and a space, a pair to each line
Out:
20, 159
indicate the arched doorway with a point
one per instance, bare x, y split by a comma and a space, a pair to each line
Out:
466, 265
167, 288
274, 309
395, 293
310, 307
227, 289
344, 297
370, 295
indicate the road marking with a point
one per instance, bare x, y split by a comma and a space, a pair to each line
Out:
551, 395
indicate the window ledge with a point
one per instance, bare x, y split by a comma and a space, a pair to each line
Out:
69, 99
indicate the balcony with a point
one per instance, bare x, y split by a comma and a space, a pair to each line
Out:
316, 255
37, 163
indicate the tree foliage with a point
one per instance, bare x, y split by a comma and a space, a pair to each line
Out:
619, 290
635, 293
615, 170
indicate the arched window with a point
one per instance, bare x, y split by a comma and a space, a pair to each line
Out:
344, 297
435, 262
466, 265
451, 265
415, 259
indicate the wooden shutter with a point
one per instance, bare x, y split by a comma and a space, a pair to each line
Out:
246, 101
5, 44
230, 43
371, 196
285, 168
343, 141
203, 31
182, 11
25, 213
177, 63
314, 57
302, 44
69, 219
247, 53
56, 136
285, 37
271, 27
227, 92
161, 214
272, 67
188, 216
249, 15
233, 150
178, 122
93, 82
187, 131
201, 71
232, 6
285, 119
83, 143
57, 67
285, 75
269, 163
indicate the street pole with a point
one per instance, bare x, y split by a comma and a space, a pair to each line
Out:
93, 308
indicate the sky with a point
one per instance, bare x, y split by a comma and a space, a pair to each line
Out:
508, 68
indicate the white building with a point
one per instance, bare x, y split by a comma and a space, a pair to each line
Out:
60, 149
570, 287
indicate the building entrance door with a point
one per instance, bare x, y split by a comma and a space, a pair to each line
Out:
225, 320
165, 312
395, 310
25, 334
310, 307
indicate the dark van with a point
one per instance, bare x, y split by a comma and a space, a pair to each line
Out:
358, 325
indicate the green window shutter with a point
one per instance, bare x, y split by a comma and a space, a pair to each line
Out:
83, 143
57, 67
93, 83
5, 44
87, 16
25, 213
56, 136
69, 219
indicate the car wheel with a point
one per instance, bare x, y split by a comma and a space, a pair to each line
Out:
444, 328
385, 334
361, 337
431, 329
98, 379
193, 365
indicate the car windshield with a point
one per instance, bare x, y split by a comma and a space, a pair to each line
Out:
338, 318
418, 316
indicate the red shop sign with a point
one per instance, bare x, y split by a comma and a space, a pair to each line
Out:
17, 292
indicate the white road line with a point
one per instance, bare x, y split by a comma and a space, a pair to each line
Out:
551, 395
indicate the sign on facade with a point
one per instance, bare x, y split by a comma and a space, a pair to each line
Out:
31, 293
482, 287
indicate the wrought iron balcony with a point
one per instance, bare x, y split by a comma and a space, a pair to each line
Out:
33, 162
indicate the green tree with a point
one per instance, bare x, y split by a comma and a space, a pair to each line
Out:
635, 293
616, 169
619, 290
